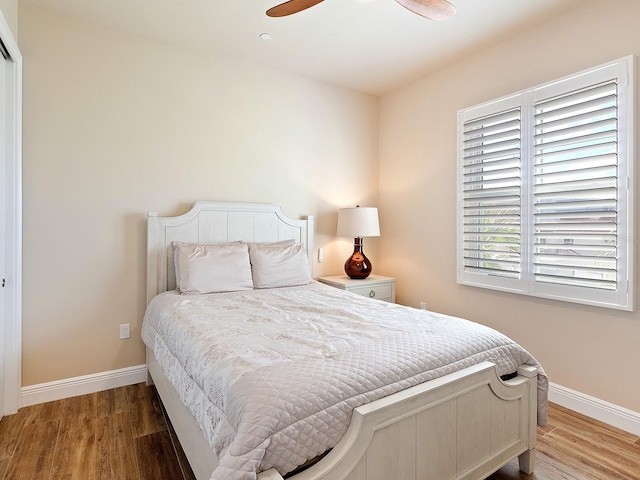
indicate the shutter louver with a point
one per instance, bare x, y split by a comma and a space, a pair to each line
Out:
491, 195
575, 189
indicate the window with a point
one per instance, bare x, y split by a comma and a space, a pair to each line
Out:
545, 188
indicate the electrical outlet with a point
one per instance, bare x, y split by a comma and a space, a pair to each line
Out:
125, 330
423, 305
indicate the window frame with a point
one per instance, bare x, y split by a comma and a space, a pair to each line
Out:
623, 297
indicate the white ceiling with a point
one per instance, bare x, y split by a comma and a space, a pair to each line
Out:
369, 45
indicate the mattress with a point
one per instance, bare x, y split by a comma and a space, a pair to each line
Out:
272, 376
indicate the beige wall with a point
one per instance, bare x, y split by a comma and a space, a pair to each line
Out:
588, 349
9, 9
116, 125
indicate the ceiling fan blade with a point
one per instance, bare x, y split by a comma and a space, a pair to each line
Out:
290, 7
432, 9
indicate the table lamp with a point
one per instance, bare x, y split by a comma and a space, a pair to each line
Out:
358, 222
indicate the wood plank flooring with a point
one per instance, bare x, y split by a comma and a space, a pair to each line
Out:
124, 434
116, 434
575, 447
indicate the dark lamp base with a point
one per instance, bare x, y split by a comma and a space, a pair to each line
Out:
357, 265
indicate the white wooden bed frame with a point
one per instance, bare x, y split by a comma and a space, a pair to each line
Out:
465, 425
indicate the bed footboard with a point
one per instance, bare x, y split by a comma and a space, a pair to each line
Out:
465, 425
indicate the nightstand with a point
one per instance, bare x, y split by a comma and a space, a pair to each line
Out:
374, 286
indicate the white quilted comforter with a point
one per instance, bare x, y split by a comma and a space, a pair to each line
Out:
272, 376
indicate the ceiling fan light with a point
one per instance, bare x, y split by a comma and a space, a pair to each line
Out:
431, 9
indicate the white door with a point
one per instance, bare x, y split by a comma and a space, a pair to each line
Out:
10, 220
3, 182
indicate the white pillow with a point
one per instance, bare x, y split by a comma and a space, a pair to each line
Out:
212, 268
279, 265
281, 243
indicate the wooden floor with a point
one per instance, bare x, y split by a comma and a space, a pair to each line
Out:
123, 434
575, 447
115, 434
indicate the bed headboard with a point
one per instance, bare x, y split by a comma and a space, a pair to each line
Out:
216, 222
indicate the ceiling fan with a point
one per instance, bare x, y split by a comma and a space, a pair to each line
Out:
432, 9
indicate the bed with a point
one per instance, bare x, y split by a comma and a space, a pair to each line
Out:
459, 421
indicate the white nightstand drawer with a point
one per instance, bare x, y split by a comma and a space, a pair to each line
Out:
379, 292
374, 286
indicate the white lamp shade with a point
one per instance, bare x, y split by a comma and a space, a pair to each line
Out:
358, 222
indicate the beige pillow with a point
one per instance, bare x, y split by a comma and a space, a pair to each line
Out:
279, 264
212, 268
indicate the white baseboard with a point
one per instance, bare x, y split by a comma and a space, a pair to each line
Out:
72, 387
606, 412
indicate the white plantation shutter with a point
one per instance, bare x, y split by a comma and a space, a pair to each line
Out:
492, 194
575, 188
545, 189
